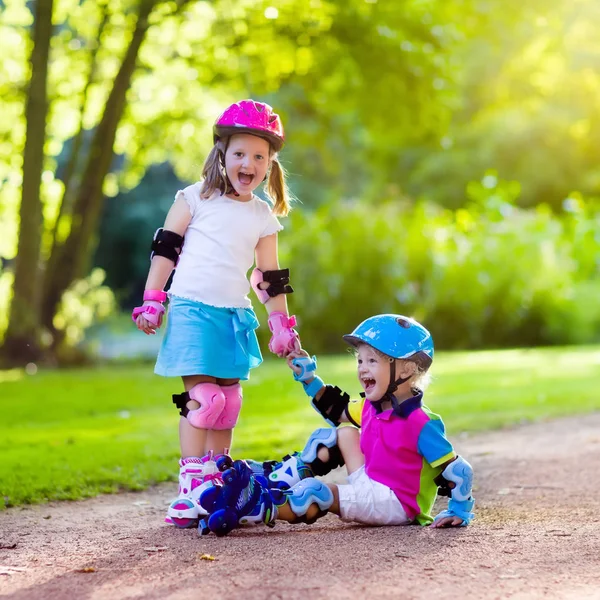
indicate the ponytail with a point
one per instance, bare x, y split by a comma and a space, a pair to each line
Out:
277, 189
214, 176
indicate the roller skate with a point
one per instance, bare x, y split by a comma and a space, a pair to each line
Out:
241, 499
293, 468
283, 475
244, 498
195, 475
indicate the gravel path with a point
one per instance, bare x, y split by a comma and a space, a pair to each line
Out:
536, 535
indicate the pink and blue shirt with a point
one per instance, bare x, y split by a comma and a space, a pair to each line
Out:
405, 451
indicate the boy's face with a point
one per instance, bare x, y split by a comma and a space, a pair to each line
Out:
373, 371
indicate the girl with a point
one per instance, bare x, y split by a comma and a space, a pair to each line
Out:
395, 462
213, 233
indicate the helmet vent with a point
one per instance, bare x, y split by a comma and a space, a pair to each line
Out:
403, 323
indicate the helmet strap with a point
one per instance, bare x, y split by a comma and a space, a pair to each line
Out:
392, 387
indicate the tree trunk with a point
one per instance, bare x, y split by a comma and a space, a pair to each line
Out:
22, 340
70, 260
69, 178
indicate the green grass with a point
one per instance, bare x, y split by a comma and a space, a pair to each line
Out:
72, 434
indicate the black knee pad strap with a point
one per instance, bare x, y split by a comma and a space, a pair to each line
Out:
336, 460
180, 401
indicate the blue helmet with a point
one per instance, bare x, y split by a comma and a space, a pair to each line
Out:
395, 335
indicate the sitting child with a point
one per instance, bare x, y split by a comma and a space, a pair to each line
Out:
396, 453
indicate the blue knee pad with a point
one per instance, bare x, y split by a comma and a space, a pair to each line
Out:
327, 437
305, 493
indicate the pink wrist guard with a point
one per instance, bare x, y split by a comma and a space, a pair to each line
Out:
156, 295
284, 338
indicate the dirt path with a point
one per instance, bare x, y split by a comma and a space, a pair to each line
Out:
537, 535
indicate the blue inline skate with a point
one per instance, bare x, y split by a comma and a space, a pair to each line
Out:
246, 498
242, 499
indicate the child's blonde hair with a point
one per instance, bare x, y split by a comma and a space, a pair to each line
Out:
215, 177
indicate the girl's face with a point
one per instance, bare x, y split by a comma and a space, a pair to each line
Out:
373, 372
246, 162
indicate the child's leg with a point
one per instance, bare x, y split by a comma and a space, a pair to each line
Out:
192, 439
219, 438
196, 466
285, 512
348, 441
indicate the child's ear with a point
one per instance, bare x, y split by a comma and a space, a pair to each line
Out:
405, 368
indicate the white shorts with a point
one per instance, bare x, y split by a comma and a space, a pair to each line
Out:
366, 501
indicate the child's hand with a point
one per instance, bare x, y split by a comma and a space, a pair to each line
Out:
296, 354
443, 522
146, 326
148, 317
284, 339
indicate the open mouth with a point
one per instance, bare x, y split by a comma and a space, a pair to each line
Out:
245, 178
368, 384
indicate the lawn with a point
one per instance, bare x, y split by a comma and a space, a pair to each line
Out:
77, 433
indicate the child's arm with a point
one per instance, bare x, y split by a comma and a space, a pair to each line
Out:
458, 477
455, 479
148, 317
329, 401
284, 338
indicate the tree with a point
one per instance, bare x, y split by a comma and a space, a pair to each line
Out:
21, 342
134, 82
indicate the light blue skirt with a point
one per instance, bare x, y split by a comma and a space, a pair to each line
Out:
205, 340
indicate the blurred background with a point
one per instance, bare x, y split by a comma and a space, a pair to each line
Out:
444, 157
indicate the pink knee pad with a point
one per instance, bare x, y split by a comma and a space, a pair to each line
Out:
233, 404
212, 402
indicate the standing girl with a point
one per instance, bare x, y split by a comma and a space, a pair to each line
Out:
214, 232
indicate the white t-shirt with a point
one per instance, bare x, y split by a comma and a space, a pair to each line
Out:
218, 247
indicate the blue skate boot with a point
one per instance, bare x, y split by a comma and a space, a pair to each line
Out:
242, 499
294, 468
281, 476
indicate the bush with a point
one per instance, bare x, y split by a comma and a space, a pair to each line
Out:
488, 275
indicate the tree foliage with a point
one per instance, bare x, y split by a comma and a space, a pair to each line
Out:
378, 98
145, 77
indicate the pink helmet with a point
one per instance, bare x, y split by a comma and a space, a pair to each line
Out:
249, 116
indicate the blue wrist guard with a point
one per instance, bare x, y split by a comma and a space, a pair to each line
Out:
463, 509
307, 367
313, 387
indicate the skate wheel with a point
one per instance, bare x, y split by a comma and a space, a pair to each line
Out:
224, 462
177, 514
222, 522
209, 496
183, 523
229, 476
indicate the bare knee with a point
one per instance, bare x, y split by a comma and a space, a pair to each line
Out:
347, 435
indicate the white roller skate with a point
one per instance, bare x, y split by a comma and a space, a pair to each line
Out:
195, 475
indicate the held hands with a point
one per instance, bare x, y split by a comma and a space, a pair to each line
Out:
148, 317
296, 365
284, 339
